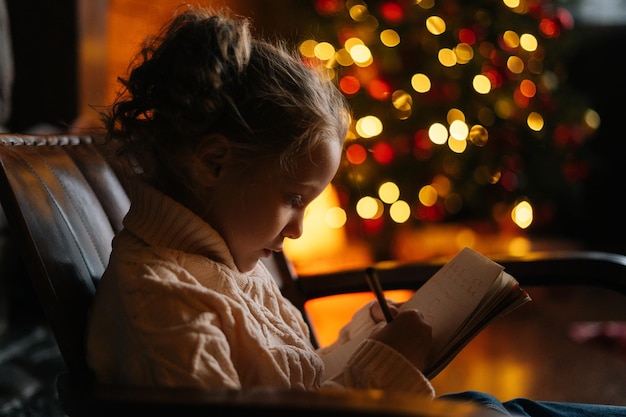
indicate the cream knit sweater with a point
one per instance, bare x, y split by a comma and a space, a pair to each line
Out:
172, 309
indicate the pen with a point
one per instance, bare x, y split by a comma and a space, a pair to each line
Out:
374, 283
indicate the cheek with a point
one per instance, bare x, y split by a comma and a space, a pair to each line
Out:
259, 212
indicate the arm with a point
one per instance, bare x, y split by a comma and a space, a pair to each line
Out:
148, 330
371, 354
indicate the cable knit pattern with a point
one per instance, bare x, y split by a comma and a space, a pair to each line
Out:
162, 222
380, 366
172, 309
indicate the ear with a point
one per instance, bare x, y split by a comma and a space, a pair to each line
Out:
212, 153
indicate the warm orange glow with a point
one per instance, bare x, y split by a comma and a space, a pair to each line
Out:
318, 238
324, 245
528, 88
329, 314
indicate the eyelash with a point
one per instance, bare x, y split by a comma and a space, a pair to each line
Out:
295, 201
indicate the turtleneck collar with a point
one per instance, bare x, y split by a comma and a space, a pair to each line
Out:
163, 222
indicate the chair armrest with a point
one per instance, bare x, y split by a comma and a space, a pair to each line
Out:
599, 269
589, 268
99, 400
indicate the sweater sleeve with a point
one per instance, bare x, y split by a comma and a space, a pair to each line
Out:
371, 364
375, 365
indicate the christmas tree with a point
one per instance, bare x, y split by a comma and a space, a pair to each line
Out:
461, 111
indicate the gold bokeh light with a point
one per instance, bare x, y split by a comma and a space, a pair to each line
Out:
369, 126
522, 214
438, 133
389, 38
535, 121
324, 51
389, 192
436, 25
335, 217
369, 208
481, 84
447, 57
428, 195
400, 211
528, 42
420, 83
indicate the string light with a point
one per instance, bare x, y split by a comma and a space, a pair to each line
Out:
481, 79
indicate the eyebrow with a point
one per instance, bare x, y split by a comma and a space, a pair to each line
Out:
307, 186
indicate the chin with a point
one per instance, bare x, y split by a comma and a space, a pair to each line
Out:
247, 266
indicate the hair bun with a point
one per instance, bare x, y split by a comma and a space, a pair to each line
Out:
189, 66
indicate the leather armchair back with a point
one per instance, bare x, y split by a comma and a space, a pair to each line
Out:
69, 197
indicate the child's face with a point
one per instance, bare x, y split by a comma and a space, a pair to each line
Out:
256, 209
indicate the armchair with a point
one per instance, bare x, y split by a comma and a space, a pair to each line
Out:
64, 203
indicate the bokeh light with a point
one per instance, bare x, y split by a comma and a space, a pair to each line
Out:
369, 126
428, 195
457, 107
438, 133
522, 214
356, 154
400, 211
436, 25
335, 217
389, 192
420, 83
369, 208
390, 38
324, 51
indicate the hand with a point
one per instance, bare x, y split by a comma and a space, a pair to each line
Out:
377, 312
410, 335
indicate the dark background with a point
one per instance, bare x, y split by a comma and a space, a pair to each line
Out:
44, 38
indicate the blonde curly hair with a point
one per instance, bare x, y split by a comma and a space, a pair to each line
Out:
205, 73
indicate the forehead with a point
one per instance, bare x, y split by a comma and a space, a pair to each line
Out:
323, 160
315, 168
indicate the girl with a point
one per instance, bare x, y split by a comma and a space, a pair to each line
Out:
234, 138
231, 137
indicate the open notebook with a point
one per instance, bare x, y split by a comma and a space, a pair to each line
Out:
460, 300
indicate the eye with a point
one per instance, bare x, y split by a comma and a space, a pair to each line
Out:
295, 200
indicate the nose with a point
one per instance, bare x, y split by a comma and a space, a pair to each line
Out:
293, 229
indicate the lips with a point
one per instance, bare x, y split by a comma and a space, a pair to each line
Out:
268, 252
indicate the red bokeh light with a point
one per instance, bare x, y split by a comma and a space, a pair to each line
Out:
392, 12
494, 76
520, 99
356, 154
383, 153
549, 28
328, 7
467, 36
349, 84
379, 90
430, 214
373, 226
